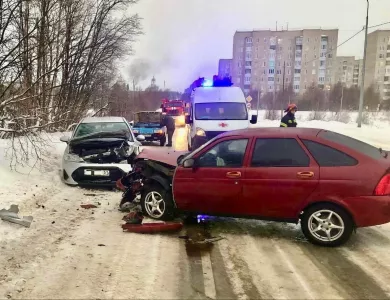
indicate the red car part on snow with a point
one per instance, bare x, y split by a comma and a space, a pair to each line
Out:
152, 227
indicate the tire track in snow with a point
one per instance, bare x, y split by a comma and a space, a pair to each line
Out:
349, 278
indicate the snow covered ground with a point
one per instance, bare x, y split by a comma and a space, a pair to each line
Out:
59, 256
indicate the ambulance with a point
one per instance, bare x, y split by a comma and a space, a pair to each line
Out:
216, 106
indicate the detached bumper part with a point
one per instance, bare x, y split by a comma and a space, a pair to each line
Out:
11, 215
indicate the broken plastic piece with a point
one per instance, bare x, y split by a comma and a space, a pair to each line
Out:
88, 206
11, 215
152, 227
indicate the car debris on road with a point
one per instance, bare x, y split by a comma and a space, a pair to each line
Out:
11, 215
88, 206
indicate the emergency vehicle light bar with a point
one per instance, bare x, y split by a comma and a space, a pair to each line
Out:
215, 82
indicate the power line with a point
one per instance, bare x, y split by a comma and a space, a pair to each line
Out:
378, 25
347, 40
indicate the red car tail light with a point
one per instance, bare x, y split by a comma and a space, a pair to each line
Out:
383, 187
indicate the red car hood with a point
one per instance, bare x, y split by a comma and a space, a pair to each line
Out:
158, 155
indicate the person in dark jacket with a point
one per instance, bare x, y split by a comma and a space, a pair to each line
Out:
289, 118
169, 123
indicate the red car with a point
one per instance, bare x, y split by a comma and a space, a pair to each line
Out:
329, 182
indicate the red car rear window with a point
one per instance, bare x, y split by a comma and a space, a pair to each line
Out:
352, 143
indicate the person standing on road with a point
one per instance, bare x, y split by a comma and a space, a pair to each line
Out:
169, 123
289, 118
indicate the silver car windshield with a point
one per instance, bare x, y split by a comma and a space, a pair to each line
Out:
90, 128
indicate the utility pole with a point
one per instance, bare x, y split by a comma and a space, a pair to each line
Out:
284, 74
258, 101
342, 97
361, 100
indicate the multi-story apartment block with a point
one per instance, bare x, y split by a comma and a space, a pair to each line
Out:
224, 68
343, 70
378, 62
357, 72
262, 58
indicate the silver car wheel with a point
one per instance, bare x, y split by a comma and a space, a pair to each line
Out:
154, 205
326, 225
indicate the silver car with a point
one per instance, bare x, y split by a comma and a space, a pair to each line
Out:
99, 152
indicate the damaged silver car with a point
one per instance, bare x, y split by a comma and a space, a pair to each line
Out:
99, 152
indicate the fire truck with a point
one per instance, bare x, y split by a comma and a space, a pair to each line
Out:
175, 109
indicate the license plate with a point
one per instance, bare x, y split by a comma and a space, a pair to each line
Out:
97, 172
147, 135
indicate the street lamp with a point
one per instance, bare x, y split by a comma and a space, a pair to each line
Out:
363, 71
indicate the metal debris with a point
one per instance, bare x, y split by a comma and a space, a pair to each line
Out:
11, 215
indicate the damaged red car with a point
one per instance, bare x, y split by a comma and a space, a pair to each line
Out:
328, 182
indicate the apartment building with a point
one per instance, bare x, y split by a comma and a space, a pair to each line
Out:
378, 62
224, 68
346, 70
262, 58
357, 72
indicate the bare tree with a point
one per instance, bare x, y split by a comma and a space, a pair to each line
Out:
55, 56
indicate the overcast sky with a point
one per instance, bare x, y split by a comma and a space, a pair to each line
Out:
184, 39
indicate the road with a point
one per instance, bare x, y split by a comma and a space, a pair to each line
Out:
73, 253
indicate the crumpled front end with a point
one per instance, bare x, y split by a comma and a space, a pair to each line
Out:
100, 161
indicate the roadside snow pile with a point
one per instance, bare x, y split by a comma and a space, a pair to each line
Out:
21, 182
376, 134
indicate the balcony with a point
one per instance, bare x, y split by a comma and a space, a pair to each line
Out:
298, 41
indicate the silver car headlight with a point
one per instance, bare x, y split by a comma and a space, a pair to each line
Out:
73, 158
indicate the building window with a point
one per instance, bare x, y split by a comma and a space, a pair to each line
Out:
271, 79
288, 72
271, 71
262, 79
323, 47
321, 79
330, 55
381, 55
297, 79
279, 72
248, 63
297, 71
296, 87
314, 63
248, 71
306, 71
313, 72
247, 79
248, 40
264, 72
240, 72
322, 63
264, 64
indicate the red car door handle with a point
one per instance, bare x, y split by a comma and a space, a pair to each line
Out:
233, 174
305, 175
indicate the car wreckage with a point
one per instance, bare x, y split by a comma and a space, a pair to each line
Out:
329, 183
100, 152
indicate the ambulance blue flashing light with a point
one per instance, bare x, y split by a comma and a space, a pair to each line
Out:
207, 83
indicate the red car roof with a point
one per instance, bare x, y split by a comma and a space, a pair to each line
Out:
275, 132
